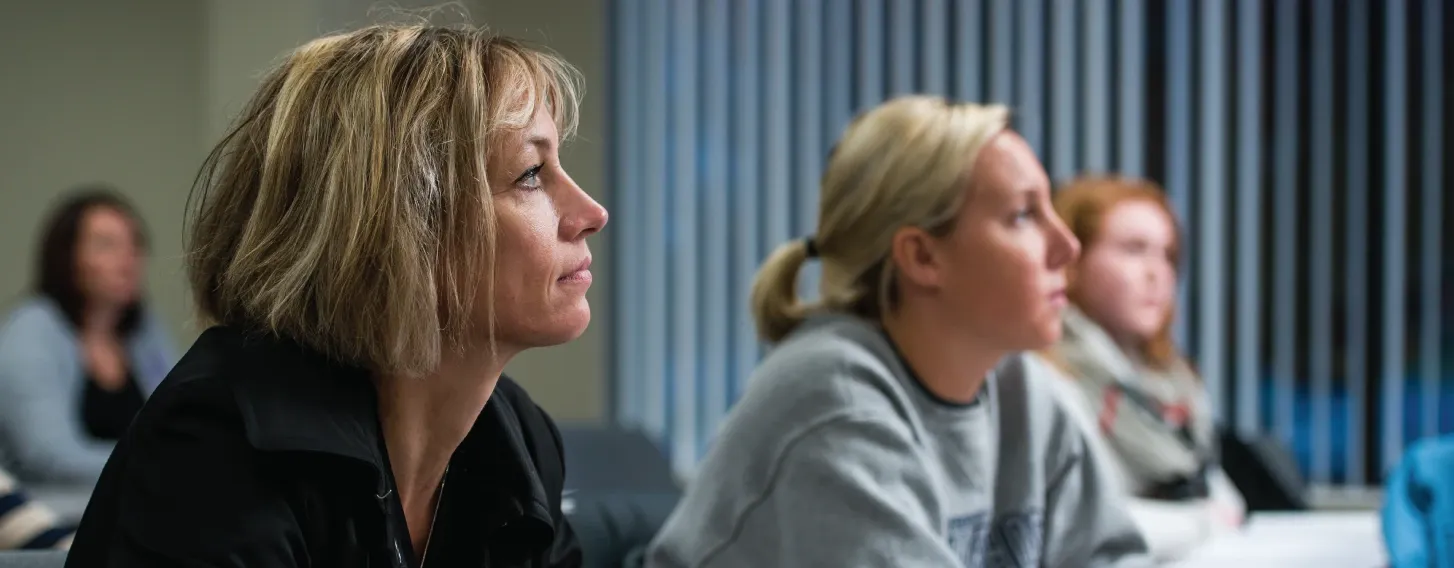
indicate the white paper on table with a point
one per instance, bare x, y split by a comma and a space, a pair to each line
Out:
1291, 540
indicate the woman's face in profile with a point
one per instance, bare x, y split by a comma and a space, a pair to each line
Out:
108, 258
542, 268
1007, 255
1127, 279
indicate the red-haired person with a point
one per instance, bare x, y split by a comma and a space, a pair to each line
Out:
1125, 379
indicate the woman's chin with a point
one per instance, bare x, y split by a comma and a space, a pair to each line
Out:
1046, 334
571, 324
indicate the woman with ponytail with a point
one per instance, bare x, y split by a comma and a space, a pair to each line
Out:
894, 423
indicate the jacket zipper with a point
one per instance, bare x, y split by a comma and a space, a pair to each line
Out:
434, 517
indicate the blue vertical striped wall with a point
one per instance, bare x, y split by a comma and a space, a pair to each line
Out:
1303, 144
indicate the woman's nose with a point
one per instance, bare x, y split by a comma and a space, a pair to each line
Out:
582, 215
1064, 246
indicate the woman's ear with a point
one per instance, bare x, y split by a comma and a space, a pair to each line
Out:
916, 257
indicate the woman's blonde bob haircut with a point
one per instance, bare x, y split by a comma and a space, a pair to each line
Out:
905, 163
348, 208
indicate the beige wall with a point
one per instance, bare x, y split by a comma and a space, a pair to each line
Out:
242, 40
97, 90
135, 93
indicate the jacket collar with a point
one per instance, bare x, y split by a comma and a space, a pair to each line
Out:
294, 399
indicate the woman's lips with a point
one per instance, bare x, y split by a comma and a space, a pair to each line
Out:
580, 275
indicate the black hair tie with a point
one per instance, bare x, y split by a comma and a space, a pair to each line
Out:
810, 247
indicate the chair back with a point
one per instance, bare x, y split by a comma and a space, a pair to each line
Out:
1264, 471
32, 559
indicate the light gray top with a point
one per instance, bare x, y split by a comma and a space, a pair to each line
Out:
42, 436
837, 456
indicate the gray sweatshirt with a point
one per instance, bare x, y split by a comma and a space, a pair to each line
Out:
836, 456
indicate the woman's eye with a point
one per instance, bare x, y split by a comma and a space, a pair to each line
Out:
531, 178
1025, 214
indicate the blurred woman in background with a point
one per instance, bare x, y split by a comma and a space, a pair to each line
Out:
892, 424
1123, 375
79, 357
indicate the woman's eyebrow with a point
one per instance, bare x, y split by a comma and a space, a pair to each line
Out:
540, 142
1031, 192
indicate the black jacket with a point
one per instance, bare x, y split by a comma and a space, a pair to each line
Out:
257, 452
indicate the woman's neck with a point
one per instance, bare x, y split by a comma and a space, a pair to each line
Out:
1130, 344
100, 322
425, 418
952, 365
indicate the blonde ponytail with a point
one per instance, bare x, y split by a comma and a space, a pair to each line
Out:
902, 164
775, 303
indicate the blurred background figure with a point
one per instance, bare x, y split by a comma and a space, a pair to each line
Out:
1131, 384
80, 355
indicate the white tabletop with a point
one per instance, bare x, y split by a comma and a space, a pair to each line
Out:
1292, 540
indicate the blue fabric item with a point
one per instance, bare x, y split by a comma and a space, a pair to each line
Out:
42, 437
1418, 509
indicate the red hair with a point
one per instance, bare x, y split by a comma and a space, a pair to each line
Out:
1083, 204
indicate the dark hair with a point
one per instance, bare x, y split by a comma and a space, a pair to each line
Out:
56, 277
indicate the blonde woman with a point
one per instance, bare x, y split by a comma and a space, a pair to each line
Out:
1124, 376
385, 227
893, 423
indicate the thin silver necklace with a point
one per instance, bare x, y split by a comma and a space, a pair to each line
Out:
433, 518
